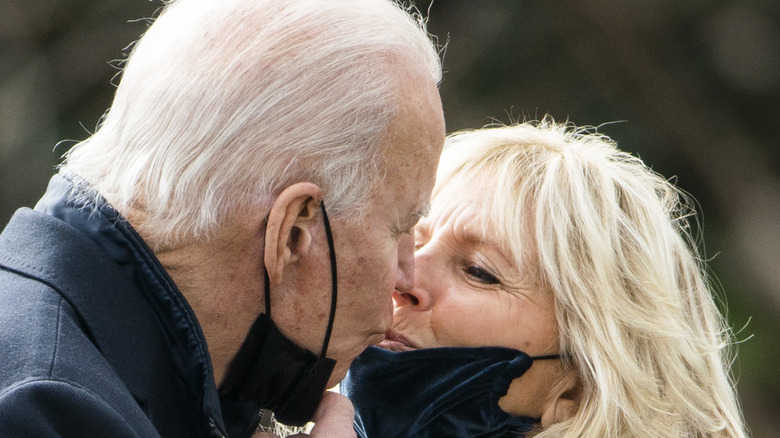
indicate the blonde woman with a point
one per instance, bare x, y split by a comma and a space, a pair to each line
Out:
558, 293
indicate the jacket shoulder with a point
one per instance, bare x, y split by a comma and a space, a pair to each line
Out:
29, 318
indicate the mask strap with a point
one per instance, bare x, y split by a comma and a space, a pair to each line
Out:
267, 284
334, 284
333, 279
546, 357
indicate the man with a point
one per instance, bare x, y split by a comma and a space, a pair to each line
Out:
181, 272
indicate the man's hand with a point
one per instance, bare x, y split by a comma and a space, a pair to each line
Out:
333, 419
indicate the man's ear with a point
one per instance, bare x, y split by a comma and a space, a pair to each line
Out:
288, 232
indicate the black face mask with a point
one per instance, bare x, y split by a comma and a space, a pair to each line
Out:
436, 392
271, 372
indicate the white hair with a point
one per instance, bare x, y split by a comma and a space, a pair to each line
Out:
224, 103
610, 239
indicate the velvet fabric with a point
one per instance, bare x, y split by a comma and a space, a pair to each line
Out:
436, 392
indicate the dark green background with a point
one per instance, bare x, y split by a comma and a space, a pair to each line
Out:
692, 87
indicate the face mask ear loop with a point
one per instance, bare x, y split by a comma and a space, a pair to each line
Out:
267, 283
547, 357
333, 278
266, 280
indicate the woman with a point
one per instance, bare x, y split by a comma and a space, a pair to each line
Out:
558, 293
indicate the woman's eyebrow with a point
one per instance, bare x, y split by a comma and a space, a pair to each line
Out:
475, 236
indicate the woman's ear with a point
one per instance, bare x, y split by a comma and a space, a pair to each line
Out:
288, 232
565, 400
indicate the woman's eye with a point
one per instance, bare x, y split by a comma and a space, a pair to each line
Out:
482, 275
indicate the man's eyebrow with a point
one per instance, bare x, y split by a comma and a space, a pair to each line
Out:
421, 212
414, 217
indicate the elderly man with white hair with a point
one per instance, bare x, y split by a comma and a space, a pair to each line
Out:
230, 238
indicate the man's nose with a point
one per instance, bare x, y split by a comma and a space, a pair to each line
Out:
405, 273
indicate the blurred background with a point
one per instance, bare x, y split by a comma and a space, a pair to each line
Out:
692, 87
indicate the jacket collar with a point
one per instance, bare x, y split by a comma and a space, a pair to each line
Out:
96, 232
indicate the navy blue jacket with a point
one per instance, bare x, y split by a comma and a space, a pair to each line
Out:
95, 338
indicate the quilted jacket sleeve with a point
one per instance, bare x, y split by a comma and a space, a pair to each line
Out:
47, 408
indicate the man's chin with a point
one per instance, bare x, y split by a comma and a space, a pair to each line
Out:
342, 365
338, 374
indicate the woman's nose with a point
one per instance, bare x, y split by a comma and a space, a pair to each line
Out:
414, 299
417, 297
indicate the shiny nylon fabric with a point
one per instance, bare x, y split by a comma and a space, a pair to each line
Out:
436, 392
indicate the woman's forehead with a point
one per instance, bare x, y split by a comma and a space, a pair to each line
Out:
464, 205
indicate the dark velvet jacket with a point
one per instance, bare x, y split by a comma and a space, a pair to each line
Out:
95, 338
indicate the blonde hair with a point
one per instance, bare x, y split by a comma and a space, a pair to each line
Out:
222, 104
611, 240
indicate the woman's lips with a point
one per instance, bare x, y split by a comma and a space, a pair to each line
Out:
397, 342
